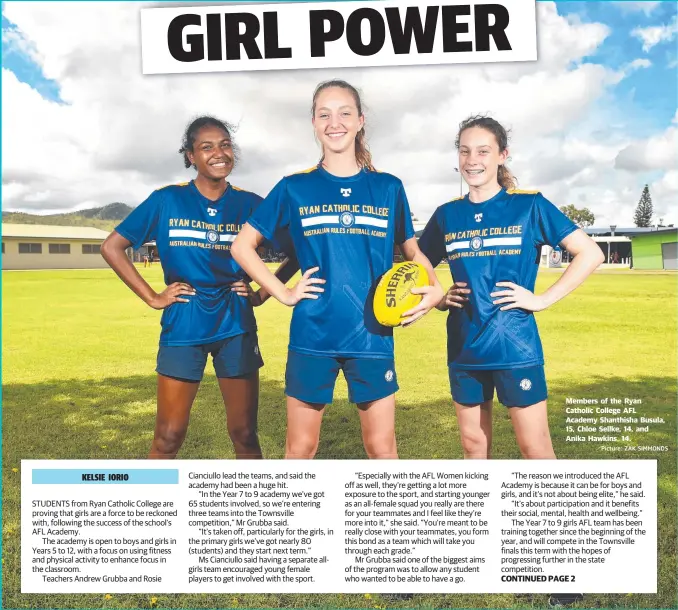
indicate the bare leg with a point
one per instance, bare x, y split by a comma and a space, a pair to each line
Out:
531, 426
377, 420
303, 428
175, 399
241, 399
475, 429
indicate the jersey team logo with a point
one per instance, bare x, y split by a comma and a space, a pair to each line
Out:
389, 375
347, 219
345, 192
479, 217
211, 211
525, 384
476, 243
212, 237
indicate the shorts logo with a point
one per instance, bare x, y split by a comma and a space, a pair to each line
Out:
256, 350
211, 211
479, 217
212, 237
525, 384
346, 192
476, 243
389, 375
347, 219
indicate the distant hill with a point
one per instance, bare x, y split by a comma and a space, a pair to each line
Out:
105, 218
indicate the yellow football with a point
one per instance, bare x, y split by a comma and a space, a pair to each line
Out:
392, 297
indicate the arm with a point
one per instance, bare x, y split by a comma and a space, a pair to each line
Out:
433, 294
411, 252
456, 296
587, 256
113, 252
284, 273
432, 246
244, 251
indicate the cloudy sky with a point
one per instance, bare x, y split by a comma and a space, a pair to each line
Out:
593, 120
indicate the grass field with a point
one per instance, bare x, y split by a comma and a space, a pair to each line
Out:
78, 382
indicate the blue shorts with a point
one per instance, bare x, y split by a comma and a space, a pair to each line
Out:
232, 357
312, 378
515, 387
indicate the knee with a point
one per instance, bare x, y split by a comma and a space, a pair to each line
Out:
302, 447
540, 449
243, 434
475, 444
168, 439
381, 446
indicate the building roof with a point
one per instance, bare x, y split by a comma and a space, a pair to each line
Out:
609, 239
628, 231
52, 232
660, 230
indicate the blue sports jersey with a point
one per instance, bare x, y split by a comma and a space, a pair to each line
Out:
194, 236
498, 240
347, 227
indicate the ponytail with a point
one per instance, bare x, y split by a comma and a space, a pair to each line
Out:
363, 156
506, 179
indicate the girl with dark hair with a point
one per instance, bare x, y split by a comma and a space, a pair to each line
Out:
492, 240
207, 305
344, 219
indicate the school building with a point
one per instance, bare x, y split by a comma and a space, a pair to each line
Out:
656, 249
51, 247
646, 248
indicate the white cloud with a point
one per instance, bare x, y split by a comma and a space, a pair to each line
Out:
117, 137
659, 152
566, 39
653, 35
38, 197
637, 64
637, 7
664, 194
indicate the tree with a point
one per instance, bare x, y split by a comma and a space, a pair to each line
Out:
581, 217
643, 215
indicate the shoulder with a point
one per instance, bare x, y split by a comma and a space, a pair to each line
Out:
165, 194
524, 197
449, 205
384, 178
171, 188
301, 175
169, 192
524, 194
244, 194
535, 199
442, 212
